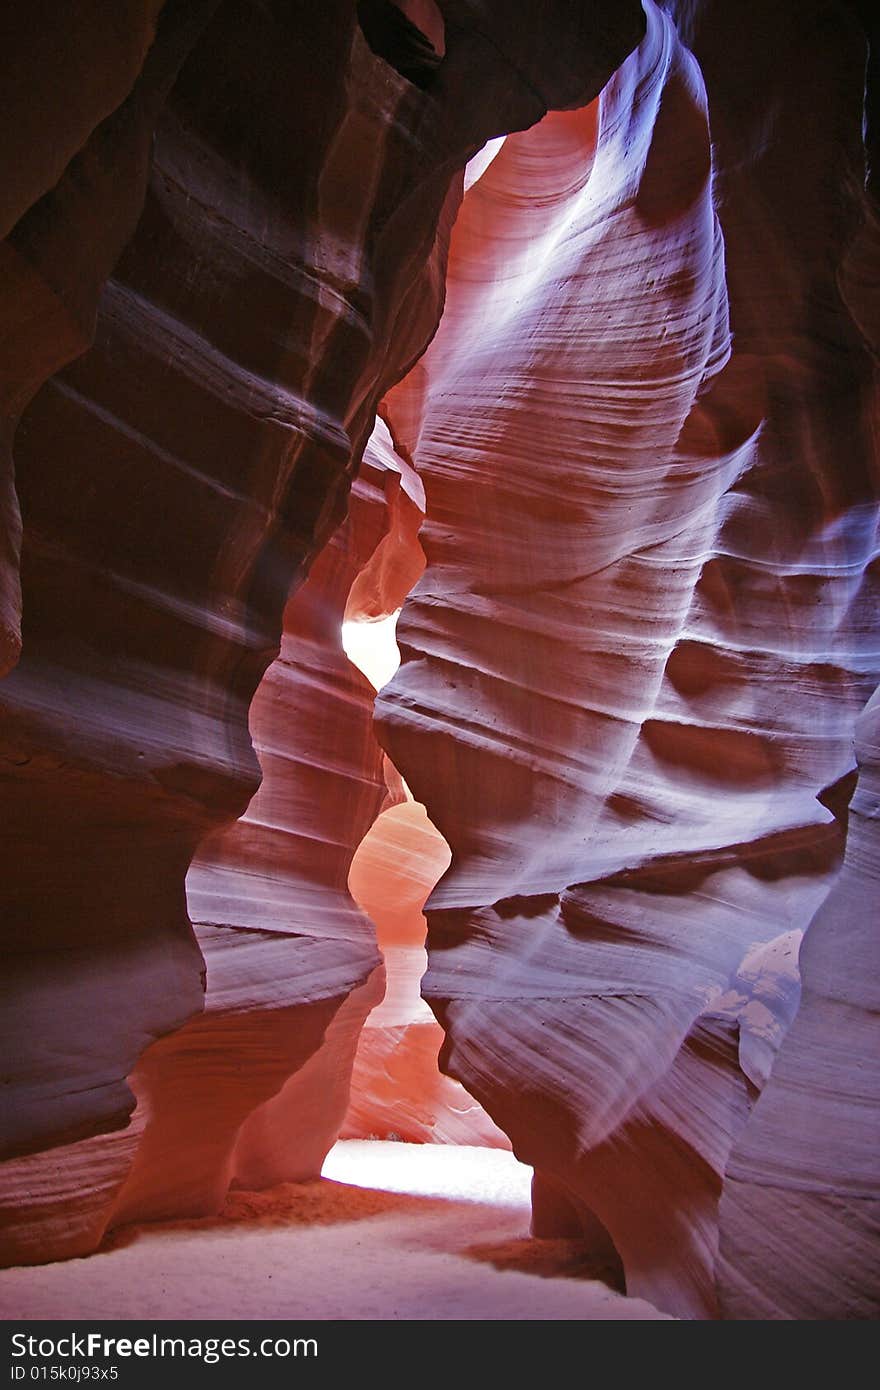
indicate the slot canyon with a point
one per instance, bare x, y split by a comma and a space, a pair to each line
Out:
542, 338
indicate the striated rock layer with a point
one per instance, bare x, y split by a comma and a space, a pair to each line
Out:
251, 239
632, 668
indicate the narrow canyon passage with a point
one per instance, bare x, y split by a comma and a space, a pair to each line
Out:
397, 1088
439, 660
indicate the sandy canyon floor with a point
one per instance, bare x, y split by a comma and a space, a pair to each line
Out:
391, 1231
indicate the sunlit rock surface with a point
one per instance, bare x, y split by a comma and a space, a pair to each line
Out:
632, 668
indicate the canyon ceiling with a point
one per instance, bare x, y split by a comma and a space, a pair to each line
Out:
623, 484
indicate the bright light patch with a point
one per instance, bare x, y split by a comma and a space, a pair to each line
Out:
457, 1172
372, 648
476, 167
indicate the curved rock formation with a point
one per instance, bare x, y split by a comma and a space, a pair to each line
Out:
254, 1090
631, 670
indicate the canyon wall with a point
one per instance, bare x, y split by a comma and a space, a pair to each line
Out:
631, 671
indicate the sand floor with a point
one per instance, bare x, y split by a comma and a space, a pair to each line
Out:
391, 1231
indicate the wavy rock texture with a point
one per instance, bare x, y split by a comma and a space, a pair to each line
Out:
175, 484
631, 670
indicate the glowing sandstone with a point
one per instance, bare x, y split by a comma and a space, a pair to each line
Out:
397, 1087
